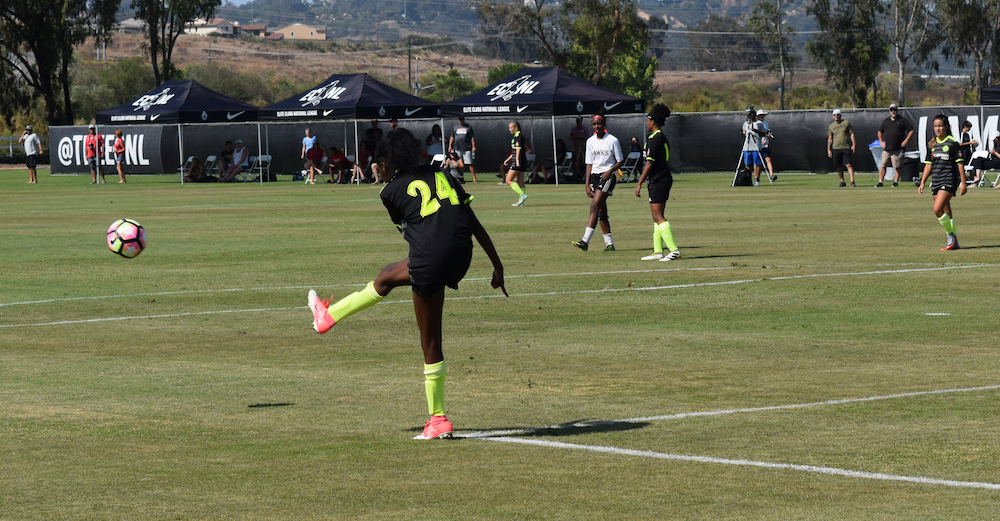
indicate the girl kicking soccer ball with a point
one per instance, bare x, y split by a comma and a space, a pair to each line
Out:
947, 173
433, 214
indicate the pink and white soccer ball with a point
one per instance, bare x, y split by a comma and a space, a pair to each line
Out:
126, 238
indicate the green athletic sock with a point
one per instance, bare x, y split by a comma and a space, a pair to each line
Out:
947, 223
954, 231
355, 302
657, 239
517, 189
434, 386
668, 236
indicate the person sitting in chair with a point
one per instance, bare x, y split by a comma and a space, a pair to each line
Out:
241, 161
338, 165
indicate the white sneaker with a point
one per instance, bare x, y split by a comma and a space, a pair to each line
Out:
520, 200
674, 255
756, 182
655, 256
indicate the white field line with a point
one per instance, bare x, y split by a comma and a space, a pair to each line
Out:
696, 414
505, 436
468, 279
473, 297
750, 463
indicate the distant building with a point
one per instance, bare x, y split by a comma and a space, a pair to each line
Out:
216, 25
132, 26
254, 30
302, 32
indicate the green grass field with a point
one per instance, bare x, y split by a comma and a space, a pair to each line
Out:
813, 355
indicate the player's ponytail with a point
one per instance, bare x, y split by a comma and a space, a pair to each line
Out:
400, 152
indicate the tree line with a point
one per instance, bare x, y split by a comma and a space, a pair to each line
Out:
605, 41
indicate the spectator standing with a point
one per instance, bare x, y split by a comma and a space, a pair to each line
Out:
966, 143
393, 124
307, 142
604, 158
751, 145
893, 134
840, 146
93, 144
32, 149
373, 136
463, 141
120, 155
765, 144
578, 137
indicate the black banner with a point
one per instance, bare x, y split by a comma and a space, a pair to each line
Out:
145, 146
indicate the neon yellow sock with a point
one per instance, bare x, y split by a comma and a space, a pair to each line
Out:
657, 239
434, 386
668, 236
355, 302
947, 223
517, 189
954, 231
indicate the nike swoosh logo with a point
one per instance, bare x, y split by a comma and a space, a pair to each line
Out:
234, 116
327, 112
409, 112
613, 105
521, 109
154, 116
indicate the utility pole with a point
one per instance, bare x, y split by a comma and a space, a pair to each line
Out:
409, 62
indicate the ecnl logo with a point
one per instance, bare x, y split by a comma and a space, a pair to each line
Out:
330, 91
149, 100
518, 87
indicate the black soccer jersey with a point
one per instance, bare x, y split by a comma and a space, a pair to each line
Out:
944, 158
657, 153
519, 145
427, 208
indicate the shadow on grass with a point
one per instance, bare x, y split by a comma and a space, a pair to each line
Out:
573, 428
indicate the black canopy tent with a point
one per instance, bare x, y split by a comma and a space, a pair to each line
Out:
543, 91
179, 103
350, 97
990, 95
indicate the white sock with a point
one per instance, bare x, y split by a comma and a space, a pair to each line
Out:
587, 234
607, 239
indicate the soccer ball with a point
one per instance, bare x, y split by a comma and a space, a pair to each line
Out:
126, 238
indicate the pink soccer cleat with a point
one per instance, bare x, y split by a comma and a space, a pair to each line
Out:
437, 427
322, 321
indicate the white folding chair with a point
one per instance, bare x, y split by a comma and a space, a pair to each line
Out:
183, 170
437, 161
630, 165
247, 175
211, 165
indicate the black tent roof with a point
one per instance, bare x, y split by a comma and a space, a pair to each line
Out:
351, 96
543, 91
179, 102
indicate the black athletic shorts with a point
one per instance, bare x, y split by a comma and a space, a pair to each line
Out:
608, 186
946, 188
429, 276
841, 157
659, 189
31, 161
